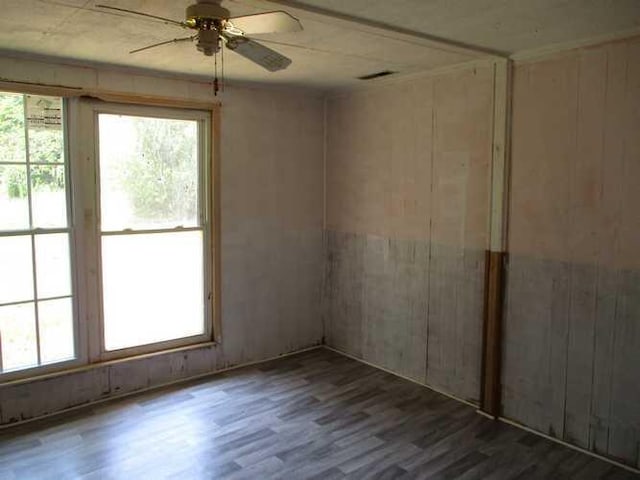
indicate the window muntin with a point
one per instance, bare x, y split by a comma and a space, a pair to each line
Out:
36, 291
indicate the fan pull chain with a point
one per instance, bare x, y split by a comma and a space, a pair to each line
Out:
216, 87
222, 58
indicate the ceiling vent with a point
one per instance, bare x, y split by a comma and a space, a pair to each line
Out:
371, 76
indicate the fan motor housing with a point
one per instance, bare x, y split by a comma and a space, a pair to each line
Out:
208, 42
204, 15
207, 16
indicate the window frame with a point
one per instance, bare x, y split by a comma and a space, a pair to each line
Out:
81, 157
88, 112
32, 233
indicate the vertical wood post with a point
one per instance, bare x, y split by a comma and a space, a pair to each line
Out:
491, 391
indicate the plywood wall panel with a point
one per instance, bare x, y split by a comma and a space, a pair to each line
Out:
624, 434
407, 218
459, 219
344, 292
584, 228
271, 221
609, 278
573, 278
371, 193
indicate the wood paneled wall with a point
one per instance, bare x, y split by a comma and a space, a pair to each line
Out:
408, 178
572, 326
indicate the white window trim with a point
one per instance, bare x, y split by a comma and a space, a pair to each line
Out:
87, 112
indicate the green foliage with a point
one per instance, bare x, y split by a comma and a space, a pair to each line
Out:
11, 128
44, 146
160, 177
16, 179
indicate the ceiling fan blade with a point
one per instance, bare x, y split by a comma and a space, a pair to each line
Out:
257, 53
175, 40
142, 14
270, 22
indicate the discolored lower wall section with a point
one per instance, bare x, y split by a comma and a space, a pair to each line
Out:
410, 306
572, 353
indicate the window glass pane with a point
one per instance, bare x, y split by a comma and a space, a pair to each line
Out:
152, 288
14, 200
16, 269
56, 330
52, 265
12, 142
48, 197
18, 337
148, 172
44, 120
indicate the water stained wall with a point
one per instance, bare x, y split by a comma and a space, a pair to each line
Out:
572, 325
408, 177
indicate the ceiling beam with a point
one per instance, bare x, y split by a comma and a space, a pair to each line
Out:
425, 39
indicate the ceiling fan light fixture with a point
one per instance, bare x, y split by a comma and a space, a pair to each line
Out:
208, 42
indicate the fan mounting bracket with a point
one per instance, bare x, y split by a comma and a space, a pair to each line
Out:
206, 16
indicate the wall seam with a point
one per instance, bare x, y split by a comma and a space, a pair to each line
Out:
570, 224
594, 348
325, 236
431, 182
616, 247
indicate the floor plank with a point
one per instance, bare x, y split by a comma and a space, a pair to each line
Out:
315, 415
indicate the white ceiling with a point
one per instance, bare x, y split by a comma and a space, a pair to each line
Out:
332, 50
504, 25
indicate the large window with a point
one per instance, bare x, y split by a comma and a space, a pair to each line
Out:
36, 293
152, 230
127, 269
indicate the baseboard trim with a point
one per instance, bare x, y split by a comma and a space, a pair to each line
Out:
513, 423
484, 414
409, 379
160, 386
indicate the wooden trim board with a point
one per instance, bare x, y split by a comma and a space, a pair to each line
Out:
104, 95
495, 256
491, 391
381, 28
568, 445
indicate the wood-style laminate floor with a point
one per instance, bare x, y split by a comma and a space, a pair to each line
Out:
314, 415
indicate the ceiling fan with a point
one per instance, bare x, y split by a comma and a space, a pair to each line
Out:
215, 27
